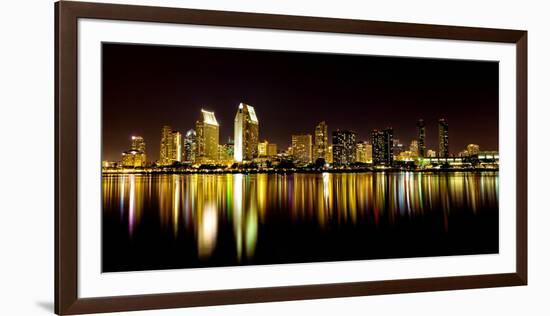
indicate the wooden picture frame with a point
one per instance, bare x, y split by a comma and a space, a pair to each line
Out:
66, 122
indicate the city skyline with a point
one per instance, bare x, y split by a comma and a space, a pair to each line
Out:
464, 127
345, 150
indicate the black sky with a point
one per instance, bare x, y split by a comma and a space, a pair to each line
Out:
145, 87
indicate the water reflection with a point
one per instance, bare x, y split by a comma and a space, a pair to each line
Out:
197, 207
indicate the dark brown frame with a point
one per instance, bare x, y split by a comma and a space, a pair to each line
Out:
66, 121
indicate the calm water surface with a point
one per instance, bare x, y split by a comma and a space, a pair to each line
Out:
197, 220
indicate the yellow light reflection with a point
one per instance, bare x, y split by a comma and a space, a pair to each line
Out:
207, 230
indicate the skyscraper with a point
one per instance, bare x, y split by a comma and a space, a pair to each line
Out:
176, 149
170, 146
414, 148
190, 146
302, 148
361, 153
208, 135
246, 133
166, 144
368, 149
135, 157
320, 149
343, 147
271, 150
138, 143
262, 148
443, 138
421, 128
382, 140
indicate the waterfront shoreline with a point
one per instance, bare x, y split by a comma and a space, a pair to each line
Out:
288, 171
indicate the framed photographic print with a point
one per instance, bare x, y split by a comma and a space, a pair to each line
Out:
209, 157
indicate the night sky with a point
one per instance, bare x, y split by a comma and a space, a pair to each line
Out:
146, 87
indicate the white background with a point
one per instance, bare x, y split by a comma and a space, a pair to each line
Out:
26, 135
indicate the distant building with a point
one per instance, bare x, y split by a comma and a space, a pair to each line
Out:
382, 140
343, 147
138, 144
262, 148
177, 147
271, 150
406, 155
135, 157
230, 147
170, 146
397, 147
302, 148
225, 153
132, 158
443, 138
190, 146
320, 147
431, 153
472, 149
108, 164
246, 133
369, 152
166, 143
414, 148
363, 151
421, 129
329, 154
463, 153
208, 136
288, 152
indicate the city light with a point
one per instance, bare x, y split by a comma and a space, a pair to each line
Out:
200, 150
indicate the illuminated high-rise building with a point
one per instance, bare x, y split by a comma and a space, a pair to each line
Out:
368, 149
382, 153
329, 154
343, 147
472, 149
271, 150
262, 148
166, 146
135, 157
177, 146
302, 148
170, 146
414, 148
190, 146
208, 136
443, 138
362, 151
421, 129
138, 143
320, 147
246, 133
